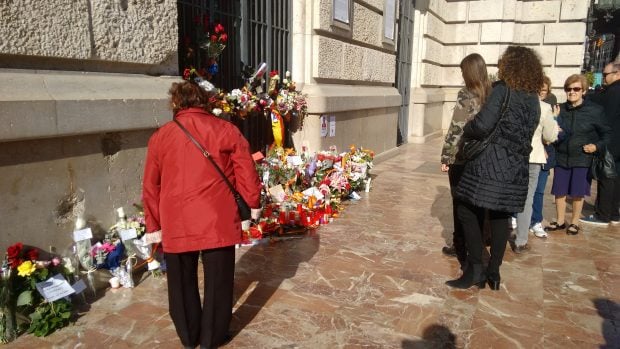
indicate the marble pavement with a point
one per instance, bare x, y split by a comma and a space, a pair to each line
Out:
374, 278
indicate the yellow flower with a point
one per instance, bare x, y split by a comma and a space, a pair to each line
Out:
26, 268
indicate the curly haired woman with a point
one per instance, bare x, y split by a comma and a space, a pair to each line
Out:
497, 179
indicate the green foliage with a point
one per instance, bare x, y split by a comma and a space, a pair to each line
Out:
49, 317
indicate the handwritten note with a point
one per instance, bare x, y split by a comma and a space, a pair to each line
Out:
82, 234
54, 288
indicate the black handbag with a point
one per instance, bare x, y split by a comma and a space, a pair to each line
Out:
473, 147
244, 210
603, 166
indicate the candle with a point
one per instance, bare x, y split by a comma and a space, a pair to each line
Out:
291, 217
282, 217
303, 218
299, 208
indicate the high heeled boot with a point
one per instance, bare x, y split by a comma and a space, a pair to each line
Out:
473, 275
494, 280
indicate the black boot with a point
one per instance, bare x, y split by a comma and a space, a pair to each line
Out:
493, 279
473, 275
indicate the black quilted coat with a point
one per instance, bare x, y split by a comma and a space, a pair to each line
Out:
497, 178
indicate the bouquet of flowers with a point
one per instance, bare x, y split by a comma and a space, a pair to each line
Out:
215, 41
24, 276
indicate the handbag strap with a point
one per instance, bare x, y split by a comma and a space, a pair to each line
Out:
206, 154
502, 112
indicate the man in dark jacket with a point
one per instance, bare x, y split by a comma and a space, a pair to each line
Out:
608, 189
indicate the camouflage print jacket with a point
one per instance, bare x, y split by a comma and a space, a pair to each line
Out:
467, 106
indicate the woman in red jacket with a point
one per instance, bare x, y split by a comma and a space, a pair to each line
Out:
186, 198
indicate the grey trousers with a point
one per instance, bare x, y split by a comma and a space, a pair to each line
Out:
524, 218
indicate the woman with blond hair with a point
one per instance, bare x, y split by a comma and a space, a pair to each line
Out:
587, 133
468, 103
496, 179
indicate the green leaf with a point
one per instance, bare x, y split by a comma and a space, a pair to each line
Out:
24, 298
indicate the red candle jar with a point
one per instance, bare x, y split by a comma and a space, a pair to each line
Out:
299, 208
303, 218
267, 212
291, 217
282, 217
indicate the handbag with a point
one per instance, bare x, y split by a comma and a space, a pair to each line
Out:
603, 166
473, 147
244, 210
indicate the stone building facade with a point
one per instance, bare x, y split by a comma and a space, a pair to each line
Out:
446, 31
83, 85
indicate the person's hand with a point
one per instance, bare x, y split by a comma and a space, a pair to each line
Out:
589, 148
255, 213
444, 168
556, 110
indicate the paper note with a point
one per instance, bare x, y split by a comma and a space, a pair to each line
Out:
79, 286
127, 234
332, 125
82, 234
294, 160
323, 125
54, 288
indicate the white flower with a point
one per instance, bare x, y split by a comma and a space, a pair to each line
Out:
216, 111
285, 81
287, 74
236, 92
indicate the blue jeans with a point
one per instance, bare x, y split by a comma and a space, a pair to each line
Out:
537, 204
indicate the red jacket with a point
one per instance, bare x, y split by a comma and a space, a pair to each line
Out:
183, 194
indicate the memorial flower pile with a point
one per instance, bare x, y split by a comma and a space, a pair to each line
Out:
304, 191
33, 293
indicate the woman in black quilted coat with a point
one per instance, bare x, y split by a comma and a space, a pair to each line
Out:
496, 180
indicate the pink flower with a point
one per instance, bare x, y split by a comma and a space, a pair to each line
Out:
55, 261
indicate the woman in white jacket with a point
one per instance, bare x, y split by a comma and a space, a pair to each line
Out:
546, 132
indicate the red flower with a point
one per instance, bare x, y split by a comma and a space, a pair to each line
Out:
273, 73
213, 38
14, 251
32, 254
223, 37
219, 28
186, 74
14, 263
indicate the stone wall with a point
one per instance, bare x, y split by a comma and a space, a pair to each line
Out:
349, 72
450, 30
139, 36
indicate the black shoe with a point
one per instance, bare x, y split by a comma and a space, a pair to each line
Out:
518, 249
449, 251
473, 275
553, 226
494, 281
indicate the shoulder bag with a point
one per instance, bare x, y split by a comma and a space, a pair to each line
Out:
244, 210
603, 166
473, 147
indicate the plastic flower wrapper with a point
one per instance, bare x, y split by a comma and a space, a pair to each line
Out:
8, 323
215, 41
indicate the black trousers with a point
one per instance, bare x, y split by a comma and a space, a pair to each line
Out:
203, 324
472, 220
608, 198
458, 237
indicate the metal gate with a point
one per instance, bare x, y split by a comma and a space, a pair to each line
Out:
258, 31
403, 66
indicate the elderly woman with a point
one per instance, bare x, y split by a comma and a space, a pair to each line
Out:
497, 178
189, 201
587, 132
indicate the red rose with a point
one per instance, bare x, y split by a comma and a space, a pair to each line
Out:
213, 38
223, 37
186, 74
273, 73
32, 254
219, 28
14, 263
14, 251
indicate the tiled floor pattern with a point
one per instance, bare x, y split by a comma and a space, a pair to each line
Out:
375, 279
